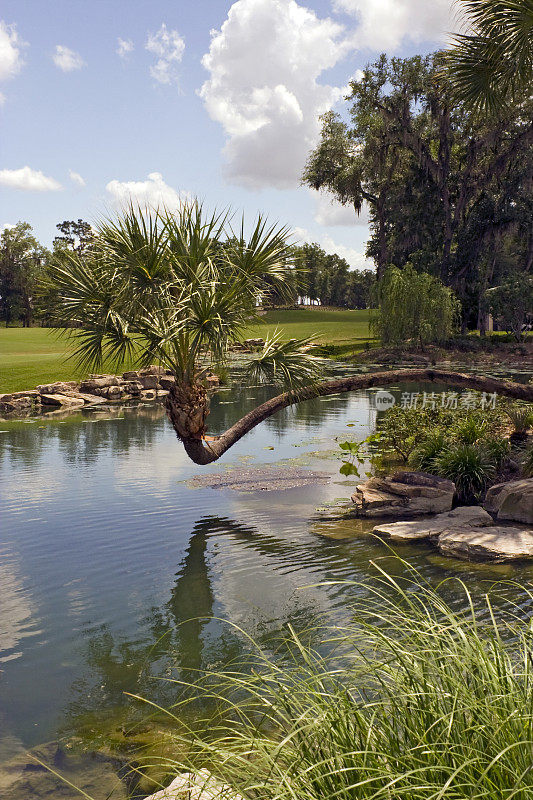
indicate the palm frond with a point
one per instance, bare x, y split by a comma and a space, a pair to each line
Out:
286, 363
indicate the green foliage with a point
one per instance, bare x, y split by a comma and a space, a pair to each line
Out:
521, 417
493, 63
511, 303
328, 278
469, 467
173, 288
431, 704
424, 454
413, 306
446, 190
467, 448
22, 262
527, 466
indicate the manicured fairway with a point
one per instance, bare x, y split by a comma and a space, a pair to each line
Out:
30, 356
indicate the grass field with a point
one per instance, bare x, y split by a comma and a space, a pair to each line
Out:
30, 356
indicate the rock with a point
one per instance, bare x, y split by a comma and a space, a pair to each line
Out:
196, 786
23, 778
88, 399
133, 387
149, 394
404, 494
98, 382
149, 381
495, 543
511, 501
167, 382
153, 370
463, 519
33, 394
57, 388
254, 342
61, 401
213, 381
130, 376
114, 392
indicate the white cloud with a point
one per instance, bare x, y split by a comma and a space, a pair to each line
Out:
76, 178
10, 54
66, 59
10, 51
355, 258
263, 88
330, 212
386, 24
152, 192
29, 180
169, 47
124, 47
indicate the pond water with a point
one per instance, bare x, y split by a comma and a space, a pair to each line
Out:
107, 552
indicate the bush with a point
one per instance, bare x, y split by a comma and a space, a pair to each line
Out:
469, 466
424, 455
431, 705
527, 466
414, 306
521, 417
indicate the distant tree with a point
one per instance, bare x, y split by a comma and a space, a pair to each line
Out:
511, 303
22, 261
413, 307
328, 278
76, 236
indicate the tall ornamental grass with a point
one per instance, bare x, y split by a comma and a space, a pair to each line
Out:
420, 702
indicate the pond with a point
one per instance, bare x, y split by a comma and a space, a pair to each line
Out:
108, 551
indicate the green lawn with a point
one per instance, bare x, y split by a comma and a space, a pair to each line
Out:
30, 356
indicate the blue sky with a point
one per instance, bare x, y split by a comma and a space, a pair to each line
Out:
204, 97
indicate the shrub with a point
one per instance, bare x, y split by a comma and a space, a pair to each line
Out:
469, 466
521, 417
432, 704
527, 466
424, 455
413, 306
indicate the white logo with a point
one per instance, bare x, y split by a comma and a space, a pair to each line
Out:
384, 400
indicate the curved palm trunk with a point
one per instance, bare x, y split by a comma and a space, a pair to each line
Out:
204, 452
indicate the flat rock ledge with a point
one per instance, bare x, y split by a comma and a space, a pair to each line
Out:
404, 494
468, 533
196, 786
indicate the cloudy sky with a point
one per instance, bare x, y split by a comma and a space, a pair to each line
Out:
104, 99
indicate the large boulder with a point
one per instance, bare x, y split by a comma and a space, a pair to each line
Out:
404, 494
511, 501
463, 519
196, 786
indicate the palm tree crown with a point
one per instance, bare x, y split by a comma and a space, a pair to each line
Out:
179, 288
492, 64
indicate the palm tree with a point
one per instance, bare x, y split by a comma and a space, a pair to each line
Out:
492, 64
179, 288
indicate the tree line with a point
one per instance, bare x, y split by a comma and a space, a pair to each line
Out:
27, 292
